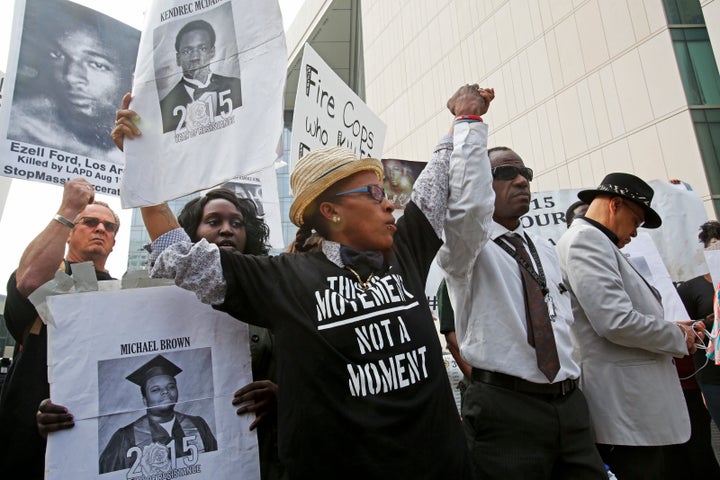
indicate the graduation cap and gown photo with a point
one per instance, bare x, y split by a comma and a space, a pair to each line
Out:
154, 432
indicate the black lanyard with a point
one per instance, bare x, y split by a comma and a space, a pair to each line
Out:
538, 276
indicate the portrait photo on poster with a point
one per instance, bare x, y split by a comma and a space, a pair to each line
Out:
248, 187
399, 177
73, 65
156, 412
197, 72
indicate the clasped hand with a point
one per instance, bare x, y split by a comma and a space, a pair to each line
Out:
471, 100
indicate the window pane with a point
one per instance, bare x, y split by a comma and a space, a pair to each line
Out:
708, 136
712, 115
695, 34
706, 72
690, 84
697, 66
683, 12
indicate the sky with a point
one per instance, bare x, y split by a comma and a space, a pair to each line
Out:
31, 205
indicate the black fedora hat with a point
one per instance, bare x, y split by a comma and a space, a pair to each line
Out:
627, 186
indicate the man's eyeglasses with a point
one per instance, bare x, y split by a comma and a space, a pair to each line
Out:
376, 192
508, 172
93, 222
638, 219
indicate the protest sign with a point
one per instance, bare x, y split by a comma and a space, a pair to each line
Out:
455, 375
261, 188
645, 257
208, 89
68, 68
399, 178
680, 208
682, 212
546, 217
4, 182
329, 114
149, 356
2, 82
712, 258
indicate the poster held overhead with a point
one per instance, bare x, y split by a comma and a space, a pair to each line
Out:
329, 114
68, 67
208, 89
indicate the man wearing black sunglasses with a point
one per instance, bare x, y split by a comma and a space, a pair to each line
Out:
88, 228
523, 415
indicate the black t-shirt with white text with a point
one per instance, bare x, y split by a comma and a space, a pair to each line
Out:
363, 391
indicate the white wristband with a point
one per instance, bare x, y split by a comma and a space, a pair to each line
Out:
64, 221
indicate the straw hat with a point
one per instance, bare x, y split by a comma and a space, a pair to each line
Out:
318, 170
627, 186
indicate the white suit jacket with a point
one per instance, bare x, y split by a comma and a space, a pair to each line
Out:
626, 346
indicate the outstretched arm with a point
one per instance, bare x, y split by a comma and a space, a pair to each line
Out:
430, 192
471, 199
158, 219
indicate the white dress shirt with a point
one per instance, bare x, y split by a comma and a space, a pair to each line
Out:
485, 287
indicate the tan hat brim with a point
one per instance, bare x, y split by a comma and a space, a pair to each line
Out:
325, 181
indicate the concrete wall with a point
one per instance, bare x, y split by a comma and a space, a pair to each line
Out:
584, 87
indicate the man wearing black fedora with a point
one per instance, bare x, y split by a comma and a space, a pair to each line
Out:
625, 344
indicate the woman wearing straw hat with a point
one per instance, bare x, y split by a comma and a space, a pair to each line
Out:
364, 393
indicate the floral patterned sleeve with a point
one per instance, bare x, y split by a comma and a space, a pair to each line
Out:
164, 241
195, 267
430, 192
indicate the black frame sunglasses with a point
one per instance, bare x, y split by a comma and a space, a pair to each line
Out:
509, 172
376, 192
93, 222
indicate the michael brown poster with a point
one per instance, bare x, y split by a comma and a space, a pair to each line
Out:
208, 89
149, 375
68, 68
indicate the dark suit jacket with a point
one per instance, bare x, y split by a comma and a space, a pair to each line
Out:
227, 88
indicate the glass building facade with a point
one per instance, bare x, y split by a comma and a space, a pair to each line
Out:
701, 82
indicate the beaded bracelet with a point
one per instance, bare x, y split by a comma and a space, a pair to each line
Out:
468, 118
